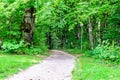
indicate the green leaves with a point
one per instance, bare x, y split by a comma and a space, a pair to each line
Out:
10, 47
107, 52
62, 18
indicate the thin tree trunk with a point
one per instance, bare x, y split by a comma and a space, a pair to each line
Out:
1, 42
49, 38
105, 20
50, 41
99, 34
66, 37
77, 34
81, 25
90, 33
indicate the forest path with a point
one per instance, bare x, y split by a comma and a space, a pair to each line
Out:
56, 67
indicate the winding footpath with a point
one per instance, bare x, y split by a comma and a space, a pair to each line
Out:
56, 67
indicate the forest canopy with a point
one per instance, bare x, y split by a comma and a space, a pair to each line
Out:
58, 24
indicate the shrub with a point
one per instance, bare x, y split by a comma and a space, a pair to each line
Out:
21, 48
107, 52
30, 51
8, 46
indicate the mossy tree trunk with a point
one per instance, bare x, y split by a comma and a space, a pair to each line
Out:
28, 25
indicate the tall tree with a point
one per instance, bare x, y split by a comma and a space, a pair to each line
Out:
28, 25
90, 32
99, 34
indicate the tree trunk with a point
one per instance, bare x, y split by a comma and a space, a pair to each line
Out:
99, 34
90, 33
81, 25
1, 43
28, 25
77, 34
49, 39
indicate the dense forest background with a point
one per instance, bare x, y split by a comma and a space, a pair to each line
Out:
59, 24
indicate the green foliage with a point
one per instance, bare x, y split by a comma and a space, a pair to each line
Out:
60, 21
31, 51
21, 48
11, 47
107, 52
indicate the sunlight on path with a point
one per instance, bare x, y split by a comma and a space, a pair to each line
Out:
56, 67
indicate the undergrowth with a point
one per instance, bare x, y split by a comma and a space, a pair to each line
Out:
107, 52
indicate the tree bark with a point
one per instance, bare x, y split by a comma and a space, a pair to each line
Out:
77, 34
99, 34
81, 25
1, 43
28, 25
49, 39
90, 33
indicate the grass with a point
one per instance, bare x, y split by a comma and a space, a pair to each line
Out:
10, 64
87, 68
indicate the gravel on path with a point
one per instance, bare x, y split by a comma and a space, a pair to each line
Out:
56, 67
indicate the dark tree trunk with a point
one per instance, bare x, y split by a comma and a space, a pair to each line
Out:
28, 25
77, 34
50, 41
1, 43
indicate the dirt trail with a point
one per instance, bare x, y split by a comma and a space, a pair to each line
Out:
56, 67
